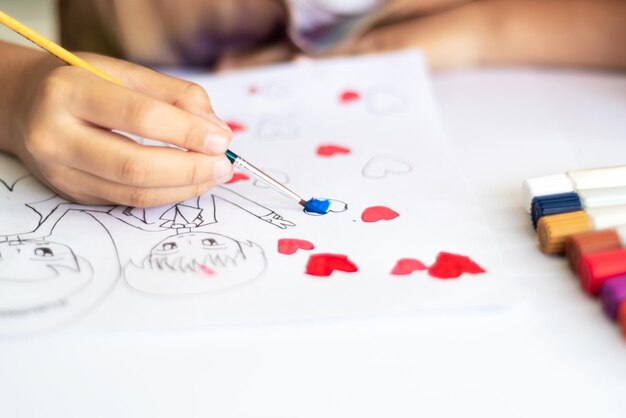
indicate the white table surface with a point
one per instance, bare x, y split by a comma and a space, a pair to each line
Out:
552, 353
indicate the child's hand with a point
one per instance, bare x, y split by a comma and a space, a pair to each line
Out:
64, 120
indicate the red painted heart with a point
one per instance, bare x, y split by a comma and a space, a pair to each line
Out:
323, 265
330, 150
406, 266
451, 266
235, 126
238, 177
349, 96
378, 213
291, 245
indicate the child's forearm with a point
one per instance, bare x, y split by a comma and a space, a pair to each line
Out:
583, 33
18, 64
590, 33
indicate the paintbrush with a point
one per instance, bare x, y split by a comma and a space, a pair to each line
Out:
242, 164
312, 205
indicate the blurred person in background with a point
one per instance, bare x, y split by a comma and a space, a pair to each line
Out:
226, 34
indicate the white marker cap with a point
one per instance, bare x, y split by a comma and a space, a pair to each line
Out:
607, 196
599, 177
621, 233
542, 186
606, 218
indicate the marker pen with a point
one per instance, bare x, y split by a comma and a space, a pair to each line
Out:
593, 242
573, 181
554, 230
554, 204
597, 268
612, 295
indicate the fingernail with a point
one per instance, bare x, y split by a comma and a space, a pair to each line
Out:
222, 171
216, 144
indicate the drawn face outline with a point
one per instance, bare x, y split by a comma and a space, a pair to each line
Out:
37, 275
210, 244
191, 249
171, 243
35, 260
196, 262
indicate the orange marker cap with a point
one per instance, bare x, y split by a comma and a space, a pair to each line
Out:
553, 230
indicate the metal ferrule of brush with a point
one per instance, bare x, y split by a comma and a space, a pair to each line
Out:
242, 164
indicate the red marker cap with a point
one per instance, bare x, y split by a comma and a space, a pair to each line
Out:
596, 268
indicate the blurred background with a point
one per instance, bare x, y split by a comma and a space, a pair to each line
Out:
38, 14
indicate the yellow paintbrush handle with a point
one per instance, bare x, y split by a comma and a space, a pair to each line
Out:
51, 47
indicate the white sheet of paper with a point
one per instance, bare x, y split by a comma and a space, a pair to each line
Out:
121, 268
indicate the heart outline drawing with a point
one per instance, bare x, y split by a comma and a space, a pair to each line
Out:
385, 101
269, 130
380, 166
336, 206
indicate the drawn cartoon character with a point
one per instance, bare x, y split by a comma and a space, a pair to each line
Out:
23, 200
196, 262
181, 217
45, 282
37, 275
195, 212
187, 260
34, 260
47, 277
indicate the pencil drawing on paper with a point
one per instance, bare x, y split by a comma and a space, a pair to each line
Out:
195, 212
175, 252
48, 276
196, 262
191, 259
38, 274
214, 258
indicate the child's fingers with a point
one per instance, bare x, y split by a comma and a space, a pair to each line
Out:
180, 93
115, 107
86, 199
79, 184
121, 160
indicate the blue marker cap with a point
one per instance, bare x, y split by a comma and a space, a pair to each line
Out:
554, 204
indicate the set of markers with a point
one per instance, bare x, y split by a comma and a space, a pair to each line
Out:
583, 214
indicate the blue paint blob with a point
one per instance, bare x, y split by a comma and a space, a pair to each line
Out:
319, 206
